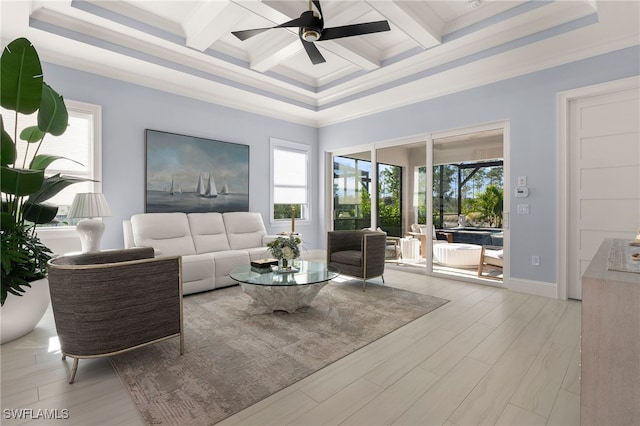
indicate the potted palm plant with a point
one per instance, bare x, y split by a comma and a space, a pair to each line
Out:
25, 187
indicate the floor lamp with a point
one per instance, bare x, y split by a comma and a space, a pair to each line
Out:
89, 206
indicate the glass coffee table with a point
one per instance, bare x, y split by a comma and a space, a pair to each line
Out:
275, 291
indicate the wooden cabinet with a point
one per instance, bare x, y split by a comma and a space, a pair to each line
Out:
610, 386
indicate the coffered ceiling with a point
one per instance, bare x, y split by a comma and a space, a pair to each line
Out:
433, 47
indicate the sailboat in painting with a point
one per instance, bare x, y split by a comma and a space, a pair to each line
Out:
200, 188
225, 189
206, 188
172, 190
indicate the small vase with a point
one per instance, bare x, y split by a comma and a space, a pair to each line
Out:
283, 264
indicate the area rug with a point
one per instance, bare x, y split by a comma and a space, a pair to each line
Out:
234, 359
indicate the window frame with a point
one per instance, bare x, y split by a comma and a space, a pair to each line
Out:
95, 158
283, 145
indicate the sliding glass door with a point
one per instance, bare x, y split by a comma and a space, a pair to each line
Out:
468, 204
390, 199
351, 192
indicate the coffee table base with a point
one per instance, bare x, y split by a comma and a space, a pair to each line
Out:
269, 298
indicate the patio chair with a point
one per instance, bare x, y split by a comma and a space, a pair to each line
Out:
420, 232
491, 256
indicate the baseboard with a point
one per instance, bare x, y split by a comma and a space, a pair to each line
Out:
537, 288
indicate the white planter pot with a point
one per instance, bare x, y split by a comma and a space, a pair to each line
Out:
20, 314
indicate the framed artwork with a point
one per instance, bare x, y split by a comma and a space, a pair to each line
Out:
195, 175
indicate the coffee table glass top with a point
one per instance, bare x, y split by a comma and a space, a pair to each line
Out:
308, 273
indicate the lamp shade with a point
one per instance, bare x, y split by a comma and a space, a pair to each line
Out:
89, 204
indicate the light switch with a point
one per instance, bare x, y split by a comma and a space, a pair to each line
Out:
522, 181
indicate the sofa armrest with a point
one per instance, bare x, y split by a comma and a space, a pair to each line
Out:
128, 234
266, 239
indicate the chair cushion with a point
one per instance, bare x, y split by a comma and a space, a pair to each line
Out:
347, 257
208, 232
494, 257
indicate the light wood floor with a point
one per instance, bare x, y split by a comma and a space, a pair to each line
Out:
490, 356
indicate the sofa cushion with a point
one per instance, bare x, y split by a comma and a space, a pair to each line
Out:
244, 229
225, 261
167, 232
198, 273
208, 232
347, 257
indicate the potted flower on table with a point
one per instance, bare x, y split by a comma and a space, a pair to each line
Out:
285, 248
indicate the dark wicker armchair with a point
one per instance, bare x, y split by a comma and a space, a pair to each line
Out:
357, 253
114, 301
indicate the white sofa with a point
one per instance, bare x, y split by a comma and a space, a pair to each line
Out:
211, 244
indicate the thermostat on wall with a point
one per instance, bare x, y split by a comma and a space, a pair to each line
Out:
522, 192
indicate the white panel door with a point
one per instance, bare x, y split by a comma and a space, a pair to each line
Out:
604, 176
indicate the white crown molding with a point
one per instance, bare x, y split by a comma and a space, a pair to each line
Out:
538, 19
264, 95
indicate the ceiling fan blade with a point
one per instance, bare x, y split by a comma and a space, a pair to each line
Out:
245, 34
317, 3
354, 30
306, 20
313, 52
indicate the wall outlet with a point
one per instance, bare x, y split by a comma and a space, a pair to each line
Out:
523, 208
535, 260
522, 181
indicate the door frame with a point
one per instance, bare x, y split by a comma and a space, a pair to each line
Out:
428, 138
564, 100
503, 125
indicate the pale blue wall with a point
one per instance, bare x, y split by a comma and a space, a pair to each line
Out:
529, 102
128, 109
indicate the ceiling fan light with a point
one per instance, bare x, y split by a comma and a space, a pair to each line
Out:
310, 35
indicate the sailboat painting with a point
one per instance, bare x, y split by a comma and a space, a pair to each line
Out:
184, 173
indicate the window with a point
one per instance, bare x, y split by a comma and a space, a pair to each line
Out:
80, 143
289, 180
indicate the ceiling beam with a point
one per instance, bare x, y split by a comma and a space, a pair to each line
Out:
416, 19
263, 10
131, 10
210, 21
357, 53
275, 49
353, 50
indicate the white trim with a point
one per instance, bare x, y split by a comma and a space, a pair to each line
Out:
96, 148
458, 131
537, 288
564, 99
505, 126
275, 143
429, 165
